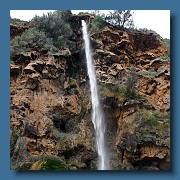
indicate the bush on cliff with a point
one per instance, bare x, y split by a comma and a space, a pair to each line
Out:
98, 23
49, 164
29, 40
55, 25
130, 92
55, 164
167, 44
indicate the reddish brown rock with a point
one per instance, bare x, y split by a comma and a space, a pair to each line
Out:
51, 108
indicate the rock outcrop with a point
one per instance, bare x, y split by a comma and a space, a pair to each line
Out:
51, 108
18, 27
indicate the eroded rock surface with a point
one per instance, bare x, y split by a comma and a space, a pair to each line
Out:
51, 108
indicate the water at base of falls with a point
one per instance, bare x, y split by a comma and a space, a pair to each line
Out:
97, 113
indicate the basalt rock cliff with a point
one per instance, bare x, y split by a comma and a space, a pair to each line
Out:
50, 115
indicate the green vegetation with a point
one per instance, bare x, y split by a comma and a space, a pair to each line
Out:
147, 119
152, 123
117, 90
49, 164
149, 73
120, 92
53, 31
151, 128
56, 27
29, 40
145, 127
126, 92
72, 82
109, 90
152, 72
152, 119
15, 21
98, 23
130, 92
85, 13
130, 87
14, 137
167, 44
125, 125
120, 18
117, 18
55, 164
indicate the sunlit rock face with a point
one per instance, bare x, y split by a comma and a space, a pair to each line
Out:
51, 105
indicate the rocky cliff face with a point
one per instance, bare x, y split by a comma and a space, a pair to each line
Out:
51, 108
18, 27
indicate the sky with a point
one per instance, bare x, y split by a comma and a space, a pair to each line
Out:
157, 20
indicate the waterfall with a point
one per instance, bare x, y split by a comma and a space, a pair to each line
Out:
97, 113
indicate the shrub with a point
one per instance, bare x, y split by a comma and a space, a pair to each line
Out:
55, 25
167, 44
152, 119
109, 90
98, 23
150, 129
49, 164
15, 135
145, 118
30, 39
83, 13
130, 92
72, 82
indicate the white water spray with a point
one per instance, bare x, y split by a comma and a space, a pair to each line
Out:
97, 113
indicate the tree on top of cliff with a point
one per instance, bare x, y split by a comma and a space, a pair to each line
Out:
120, 18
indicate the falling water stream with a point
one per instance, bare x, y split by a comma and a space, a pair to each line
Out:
97, 113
